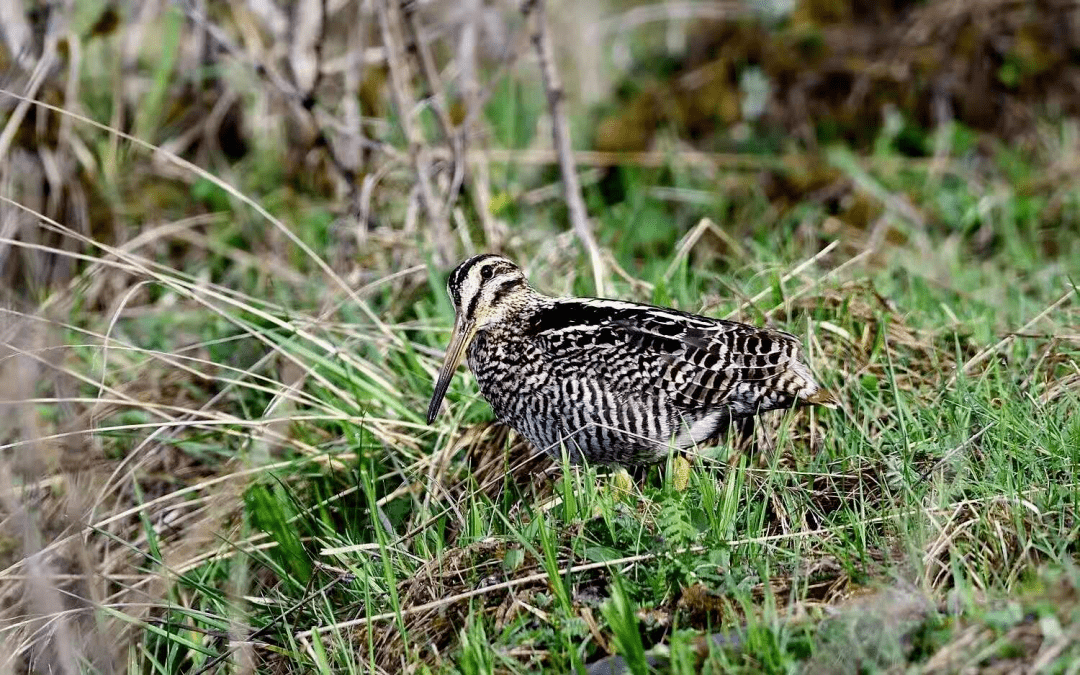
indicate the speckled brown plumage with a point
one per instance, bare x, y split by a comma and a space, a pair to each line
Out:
613, 382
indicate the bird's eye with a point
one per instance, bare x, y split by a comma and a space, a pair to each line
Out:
486, 273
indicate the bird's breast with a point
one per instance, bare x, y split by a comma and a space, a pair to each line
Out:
508, 368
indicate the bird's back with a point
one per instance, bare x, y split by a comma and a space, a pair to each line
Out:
620, 382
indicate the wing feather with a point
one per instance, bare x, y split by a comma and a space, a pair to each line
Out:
696, 360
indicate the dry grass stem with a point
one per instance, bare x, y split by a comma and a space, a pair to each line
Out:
535, 15
405, 106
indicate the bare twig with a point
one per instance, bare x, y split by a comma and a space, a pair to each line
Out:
430, 74
418, 151
456, 136
621, 24
306, 63
37, 79
305, 45
479, 171
560, 127
264, 69
353, 133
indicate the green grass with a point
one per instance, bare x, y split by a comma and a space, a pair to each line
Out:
369, 541
361, 536
272, 496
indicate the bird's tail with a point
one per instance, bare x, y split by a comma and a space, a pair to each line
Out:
808, 390
822, 397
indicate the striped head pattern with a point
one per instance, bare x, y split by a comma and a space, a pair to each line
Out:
485, 289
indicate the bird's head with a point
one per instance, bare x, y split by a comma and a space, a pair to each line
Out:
485, 290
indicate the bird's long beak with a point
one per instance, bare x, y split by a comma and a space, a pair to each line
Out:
463, 335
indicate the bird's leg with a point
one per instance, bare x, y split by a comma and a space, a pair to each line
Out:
767, 445
679, 469
746, 433
742, 437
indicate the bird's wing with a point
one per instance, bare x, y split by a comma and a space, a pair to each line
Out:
698, 361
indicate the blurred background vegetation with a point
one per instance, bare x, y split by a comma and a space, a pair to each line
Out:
224, 234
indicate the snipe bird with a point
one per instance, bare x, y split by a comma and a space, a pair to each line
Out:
612, 382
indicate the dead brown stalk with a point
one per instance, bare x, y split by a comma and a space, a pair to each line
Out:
419, 153
534, 11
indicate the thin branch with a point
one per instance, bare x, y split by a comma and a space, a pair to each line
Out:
560, 127
456, 136
418, 151
430, 73
479, 170
302, 102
